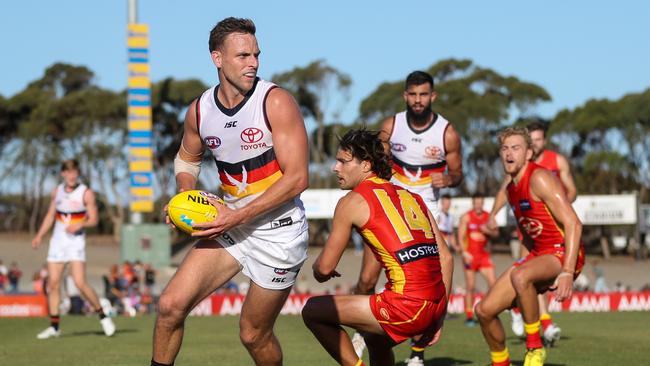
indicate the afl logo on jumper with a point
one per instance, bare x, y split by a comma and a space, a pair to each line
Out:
398, 147
212, 142
251, 135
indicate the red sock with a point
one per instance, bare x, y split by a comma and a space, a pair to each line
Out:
546, 320
516, 310
533, 338
469, 313
54, 321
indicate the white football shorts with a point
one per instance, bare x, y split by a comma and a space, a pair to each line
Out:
66, 247
270, 264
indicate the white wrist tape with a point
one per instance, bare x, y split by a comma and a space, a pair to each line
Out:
182, 166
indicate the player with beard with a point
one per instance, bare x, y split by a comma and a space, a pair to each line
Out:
426, 156
558, 164
425, 147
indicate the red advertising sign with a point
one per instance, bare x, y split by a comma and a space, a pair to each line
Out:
23, 305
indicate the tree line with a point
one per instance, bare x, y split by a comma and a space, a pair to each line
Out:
65, 114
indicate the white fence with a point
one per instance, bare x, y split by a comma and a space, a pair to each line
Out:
621, 209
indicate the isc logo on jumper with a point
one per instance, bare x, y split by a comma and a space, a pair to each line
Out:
212, 142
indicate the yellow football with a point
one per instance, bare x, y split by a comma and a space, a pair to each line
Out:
192, 207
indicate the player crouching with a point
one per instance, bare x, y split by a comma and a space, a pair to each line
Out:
551, 231
403, 237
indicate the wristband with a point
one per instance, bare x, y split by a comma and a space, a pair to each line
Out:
565, 274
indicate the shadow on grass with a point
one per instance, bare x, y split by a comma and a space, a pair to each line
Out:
441, 361
98, 333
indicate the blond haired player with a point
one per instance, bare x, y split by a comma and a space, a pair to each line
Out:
559, 165
551, 231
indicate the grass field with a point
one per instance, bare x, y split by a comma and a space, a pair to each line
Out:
588, 339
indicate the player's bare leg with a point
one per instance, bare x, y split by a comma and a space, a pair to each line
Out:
258, 315
195, 279
531, 276
499, 298
380, 349
78, 272
470, 284
54, 276
550, 331
55, 273
325, 315
527, 279
365, 286
489, 275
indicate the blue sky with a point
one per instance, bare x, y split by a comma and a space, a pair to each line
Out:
577, 50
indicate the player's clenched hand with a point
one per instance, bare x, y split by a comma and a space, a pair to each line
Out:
431, 336
36, 242
563, 286
74, 228
436, 337
320, 277
168, 221
492, 223
467, 258
439, 180
226, 220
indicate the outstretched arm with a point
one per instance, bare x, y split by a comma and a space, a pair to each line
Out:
351, 210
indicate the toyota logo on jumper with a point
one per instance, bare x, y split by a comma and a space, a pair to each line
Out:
212, 142
251, 135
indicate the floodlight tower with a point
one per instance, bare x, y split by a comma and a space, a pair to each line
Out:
140, 142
